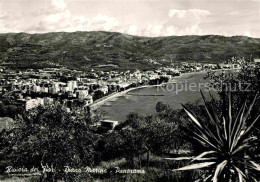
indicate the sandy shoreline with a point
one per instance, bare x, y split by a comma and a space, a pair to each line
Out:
101, 101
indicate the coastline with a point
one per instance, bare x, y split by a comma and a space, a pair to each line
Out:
185, 75
95, 105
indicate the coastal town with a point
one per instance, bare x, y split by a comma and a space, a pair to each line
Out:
129, 91
72, 88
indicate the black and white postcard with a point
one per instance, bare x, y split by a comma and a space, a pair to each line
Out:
129, 90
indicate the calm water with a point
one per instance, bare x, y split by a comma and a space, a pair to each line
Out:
143, 101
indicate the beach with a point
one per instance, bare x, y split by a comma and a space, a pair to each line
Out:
102, 100
96, 104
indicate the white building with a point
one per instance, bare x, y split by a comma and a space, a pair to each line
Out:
89, 99
257, 61
36, 88
230, 66
32, 103
72, 85
82, 94
44, 89
104, 89
65, 89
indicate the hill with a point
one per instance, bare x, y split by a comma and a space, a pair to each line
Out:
106, 50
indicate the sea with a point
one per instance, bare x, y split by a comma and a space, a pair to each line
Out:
143, 101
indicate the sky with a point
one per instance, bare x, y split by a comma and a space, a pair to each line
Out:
150, 18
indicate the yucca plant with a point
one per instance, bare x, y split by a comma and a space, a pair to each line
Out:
226, 143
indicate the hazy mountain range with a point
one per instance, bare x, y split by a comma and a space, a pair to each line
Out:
106, 50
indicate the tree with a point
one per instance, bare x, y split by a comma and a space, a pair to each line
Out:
51, 136
98, 94
143, 135
125, 141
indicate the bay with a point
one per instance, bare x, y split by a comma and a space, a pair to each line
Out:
143, 101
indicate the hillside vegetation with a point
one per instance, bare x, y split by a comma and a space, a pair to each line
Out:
87, 50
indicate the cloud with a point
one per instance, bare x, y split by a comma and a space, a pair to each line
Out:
103, 22
179, 13
132, 30
184, 13
247, 34
58, 15
6, 21
59, 18
153, 30
59, 4
179, 22
185, 22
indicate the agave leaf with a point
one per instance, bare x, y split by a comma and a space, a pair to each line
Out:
225, 127
195, 166
202, 139
250, 107
229, 119
238, 126
239, 116
199, 157
207, 178
209, 159
194, 119
213, 121
247, 131
179, 158
218, 170
250, 139
255, 165
207, 108
251, 126
203, 130
241, 175
189, 158
194, 133
241, 148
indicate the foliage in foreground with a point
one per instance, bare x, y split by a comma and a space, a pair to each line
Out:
227, 145
49, 136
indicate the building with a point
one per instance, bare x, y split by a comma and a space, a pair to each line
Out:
36, 88
257, 62
104, 89
72, 85
82, 94
33, 103
48, 100
109, 124
64, 89
89, 99
214, 66
234, 66
55, 88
